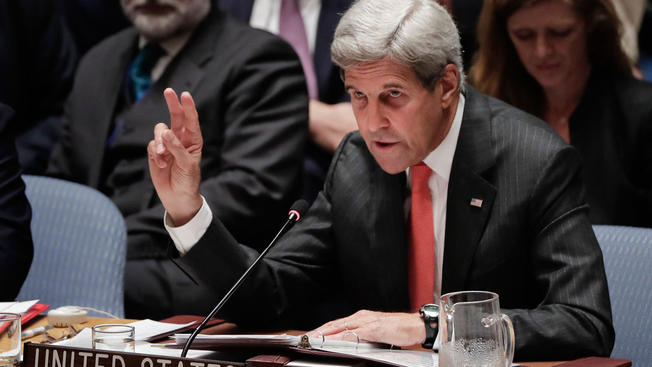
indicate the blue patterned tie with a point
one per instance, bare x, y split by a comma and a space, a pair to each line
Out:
141, 69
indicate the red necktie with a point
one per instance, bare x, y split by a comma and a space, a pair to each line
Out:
291, 28
421, 253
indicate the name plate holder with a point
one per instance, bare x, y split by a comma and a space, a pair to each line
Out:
46, 355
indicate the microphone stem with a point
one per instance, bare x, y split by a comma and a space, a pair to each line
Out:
289, 223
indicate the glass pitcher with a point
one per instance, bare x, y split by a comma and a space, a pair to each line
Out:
473, 332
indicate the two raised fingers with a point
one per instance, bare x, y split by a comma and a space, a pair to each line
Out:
183, 114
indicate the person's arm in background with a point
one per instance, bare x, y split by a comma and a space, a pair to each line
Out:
329, 123
16, 248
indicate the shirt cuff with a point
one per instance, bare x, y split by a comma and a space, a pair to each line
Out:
187, 235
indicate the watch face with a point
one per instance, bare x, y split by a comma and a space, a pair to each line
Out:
430, 310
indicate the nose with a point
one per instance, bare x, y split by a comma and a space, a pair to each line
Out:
543, 47
376, 118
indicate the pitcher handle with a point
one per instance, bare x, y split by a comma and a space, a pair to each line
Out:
508, 338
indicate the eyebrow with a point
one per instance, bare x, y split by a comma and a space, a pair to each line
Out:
393, 85
386, 86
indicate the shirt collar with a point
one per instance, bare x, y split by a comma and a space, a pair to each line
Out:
440, 160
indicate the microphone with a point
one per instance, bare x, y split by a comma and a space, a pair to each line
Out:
294, 215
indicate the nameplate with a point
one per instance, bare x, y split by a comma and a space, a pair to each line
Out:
45, 355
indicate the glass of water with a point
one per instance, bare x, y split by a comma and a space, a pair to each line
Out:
114, 337
9, 339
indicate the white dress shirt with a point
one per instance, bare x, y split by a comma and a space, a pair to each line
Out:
266, 15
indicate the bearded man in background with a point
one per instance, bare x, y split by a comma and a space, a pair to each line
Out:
251, 97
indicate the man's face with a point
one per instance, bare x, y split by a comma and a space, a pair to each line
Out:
158, 20
400, 121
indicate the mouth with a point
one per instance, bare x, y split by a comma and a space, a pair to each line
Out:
547, 67
384, 144
154, 8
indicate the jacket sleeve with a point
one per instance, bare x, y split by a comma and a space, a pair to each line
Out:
251, 169
16, 248
574, 316
295, 274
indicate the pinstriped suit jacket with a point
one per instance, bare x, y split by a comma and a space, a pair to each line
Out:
530, 241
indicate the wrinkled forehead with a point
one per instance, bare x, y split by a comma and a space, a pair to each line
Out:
379, 74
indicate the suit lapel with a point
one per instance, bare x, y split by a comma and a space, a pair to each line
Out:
183, 73
110, 77
470, 196
239, 9
387, 229
187, 68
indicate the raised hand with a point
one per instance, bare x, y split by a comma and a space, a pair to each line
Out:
175, 156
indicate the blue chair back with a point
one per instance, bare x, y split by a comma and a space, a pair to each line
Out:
79, 247
628, 263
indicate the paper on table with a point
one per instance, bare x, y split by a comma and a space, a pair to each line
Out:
144, 329
216, 341
147, 328
363, 350
17, 307
83, 340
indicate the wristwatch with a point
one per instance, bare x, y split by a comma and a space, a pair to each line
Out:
430, 315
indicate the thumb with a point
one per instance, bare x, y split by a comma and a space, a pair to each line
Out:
158, 167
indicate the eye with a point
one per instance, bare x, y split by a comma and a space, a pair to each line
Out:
524, 34
395, 93
358, 94
560, 33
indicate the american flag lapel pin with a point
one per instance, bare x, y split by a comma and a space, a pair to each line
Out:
476, 202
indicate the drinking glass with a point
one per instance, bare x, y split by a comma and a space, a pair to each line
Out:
473, 331
114, 337
10, 342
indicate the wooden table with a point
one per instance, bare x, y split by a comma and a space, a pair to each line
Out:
59, 332
225, 328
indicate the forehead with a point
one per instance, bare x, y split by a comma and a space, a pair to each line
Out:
544, 13
379, 74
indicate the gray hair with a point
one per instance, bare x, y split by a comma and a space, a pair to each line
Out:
419, 34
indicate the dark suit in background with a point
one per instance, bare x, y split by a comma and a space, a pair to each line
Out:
612, 130
253, 106
530, 241
329, 83
16, 248
466, 14
37, 65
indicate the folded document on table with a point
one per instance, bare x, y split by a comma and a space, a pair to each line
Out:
379, 353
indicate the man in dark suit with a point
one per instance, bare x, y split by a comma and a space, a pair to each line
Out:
330, 110
251, 98
16, 248
37, 65
442, 190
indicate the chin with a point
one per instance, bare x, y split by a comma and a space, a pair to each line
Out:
392, 167
549, 81
157, 28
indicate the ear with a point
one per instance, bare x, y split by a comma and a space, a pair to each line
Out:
448, 82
